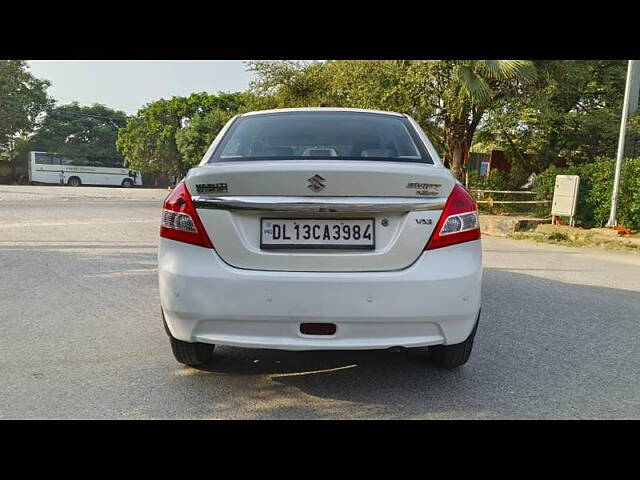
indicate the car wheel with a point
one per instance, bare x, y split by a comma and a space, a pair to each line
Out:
191, 353
73, 182
127, 183
453, 356
185, 352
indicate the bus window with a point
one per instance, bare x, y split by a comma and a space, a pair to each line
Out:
42, 159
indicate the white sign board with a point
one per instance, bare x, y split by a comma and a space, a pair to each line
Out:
565, 196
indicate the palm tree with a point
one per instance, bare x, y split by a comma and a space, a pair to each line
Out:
464, 90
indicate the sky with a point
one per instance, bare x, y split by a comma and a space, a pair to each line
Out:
127, 85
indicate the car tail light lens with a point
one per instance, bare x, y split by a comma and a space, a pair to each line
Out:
180, 220
458, 222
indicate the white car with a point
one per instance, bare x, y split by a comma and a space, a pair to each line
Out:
320, 229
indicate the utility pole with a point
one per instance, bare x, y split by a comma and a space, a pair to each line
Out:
630, 105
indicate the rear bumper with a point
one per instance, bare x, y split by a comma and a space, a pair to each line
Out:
434, 301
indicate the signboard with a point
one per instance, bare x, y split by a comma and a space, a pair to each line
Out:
565, 197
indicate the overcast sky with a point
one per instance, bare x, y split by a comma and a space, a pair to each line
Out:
128, 84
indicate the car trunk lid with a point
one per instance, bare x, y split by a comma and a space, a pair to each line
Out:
401, 200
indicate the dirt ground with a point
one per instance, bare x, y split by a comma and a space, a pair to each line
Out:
604, 238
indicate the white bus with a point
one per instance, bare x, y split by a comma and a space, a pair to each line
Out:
47, 167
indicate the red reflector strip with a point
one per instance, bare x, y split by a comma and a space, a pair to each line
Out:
317, 328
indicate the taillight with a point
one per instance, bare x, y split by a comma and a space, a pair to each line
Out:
458, 222
180, 220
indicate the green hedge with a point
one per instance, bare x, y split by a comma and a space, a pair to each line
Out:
497, 180
596, 185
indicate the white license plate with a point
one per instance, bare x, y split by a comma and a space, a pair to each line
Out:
317, 233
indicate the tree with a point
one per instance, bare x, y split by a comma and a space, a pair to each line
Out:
462, 91
572, 111
194, 140
448, 98
23, 98
149, 139
87, 132
372, 84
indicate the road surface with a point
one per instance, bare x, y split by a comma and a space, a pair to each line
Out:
81, 335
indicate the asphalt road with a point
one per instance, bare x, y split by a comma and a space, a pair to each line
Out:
81, 335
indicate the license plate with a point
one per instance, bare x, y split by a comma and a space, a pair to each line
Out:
317, 233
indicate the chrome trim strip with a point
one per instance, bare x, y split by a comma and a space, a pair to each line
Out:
321, 204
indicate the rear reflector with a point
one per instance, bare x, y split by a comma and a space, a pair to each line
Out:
458, 222
180, 220
317, 328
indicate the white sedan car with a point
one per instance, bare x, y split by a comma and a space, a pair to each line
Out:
320, 229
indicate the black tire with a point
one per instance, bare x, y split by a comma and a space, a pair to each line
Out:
191, 353
74, 182
127, 183
454, 356
188, 353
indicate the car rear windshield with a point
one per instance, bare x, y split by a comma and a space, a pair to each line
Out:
321, 135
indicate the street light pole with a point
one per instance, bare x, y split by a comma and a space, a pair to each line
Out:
629, 94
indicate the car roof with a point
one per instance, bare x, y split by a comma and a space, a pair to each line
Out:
321, 109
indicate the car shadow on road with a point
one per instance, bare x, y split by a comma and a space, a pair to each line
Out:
281, 363
544, 349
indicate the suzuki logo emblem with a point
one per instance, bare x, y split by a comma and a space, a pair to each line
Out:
316, 183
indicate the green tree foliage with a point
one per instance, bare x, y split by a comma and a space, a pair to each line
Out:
194, 139
23, 98
463, 91
447, 97
290, 83
371, 84
149, 141
87, 132
571, 111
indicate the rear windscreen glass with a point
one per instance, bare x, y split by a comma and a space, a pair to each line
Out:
321, 135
